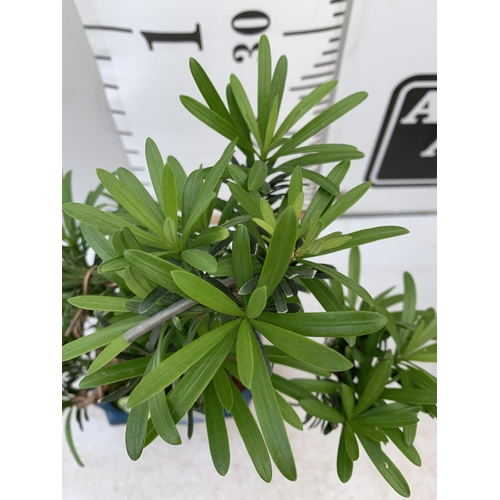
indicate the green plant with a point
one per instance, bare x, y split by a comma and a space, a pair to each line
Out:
187, 328
377, 400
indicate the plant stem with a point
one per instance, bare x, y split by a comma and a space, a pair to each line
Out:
142, 328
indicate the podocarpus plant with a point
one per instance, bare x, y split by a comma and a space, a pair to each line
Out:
209, 309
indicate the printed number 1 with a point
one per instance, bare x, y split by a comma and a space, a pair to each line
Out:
151, 37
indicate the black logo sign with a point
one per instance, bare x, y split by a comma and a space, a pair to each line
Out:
406, 150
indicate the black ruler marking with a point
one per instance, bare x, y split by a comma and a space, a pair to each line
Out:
103, 58
132, 152
111, 86
107, 28
308, 32
319, 65
317, 75
338, 1
138, 169
326, 52
117, 112
125, 132
306, 87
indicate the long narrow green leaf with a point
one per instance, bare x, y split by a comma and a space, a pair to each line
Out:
279, 80
344, 461
210, 235
156, 165
93, 217
203, 292
99, 303
216, 430
328, 324
256, 303
321, 159
290, 388
251, 435
98, 242
409, 300
303, 107
162, 419
98, 339
128, 201
392, 415
288, 413
377, 381
208, 90
200, 260
257, 175
135, 432
263, 83
242, 260
385, 466
67, 197
270, 419
137, 283
422, 335
346, 281
169, 194
185, 394
300, 347
116, 373
137, 423
323, 295
135, 186
410, 452
425, 354
324, 119
410, 396
245, 200
368, 236
280, 251
180, 177
321, 410
108, 354
154, 268
173, 367
351, 442
244, 354
215, 122
245, 107
271, 124
239, 121
354, 273
224, 393
143, 237
315, 385
69, 439
217, 170
200, 207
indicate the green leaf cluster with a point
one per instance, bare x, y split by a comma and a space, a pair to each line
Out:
200, 296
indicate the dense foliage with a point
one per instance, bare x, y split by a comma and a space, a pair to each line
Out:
190, 313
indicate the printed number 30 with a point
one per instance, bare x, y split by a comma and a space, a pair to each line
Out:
240, 48
250, 22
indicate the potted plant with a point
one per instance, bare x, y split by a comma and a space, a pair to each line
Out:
197, 312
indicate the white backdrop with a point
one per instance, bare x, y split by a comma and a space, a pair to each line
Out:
385, 43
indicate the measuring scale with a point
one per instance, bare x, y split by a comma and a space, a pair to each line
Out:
142, 51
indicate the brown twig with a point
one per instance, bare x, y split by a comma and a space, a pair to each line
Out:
76, 321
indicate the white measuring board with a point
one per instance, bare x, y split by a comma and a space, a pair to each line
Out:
142, 51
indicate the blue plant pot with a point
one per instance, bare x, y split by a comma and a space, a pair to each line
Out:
117, 416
